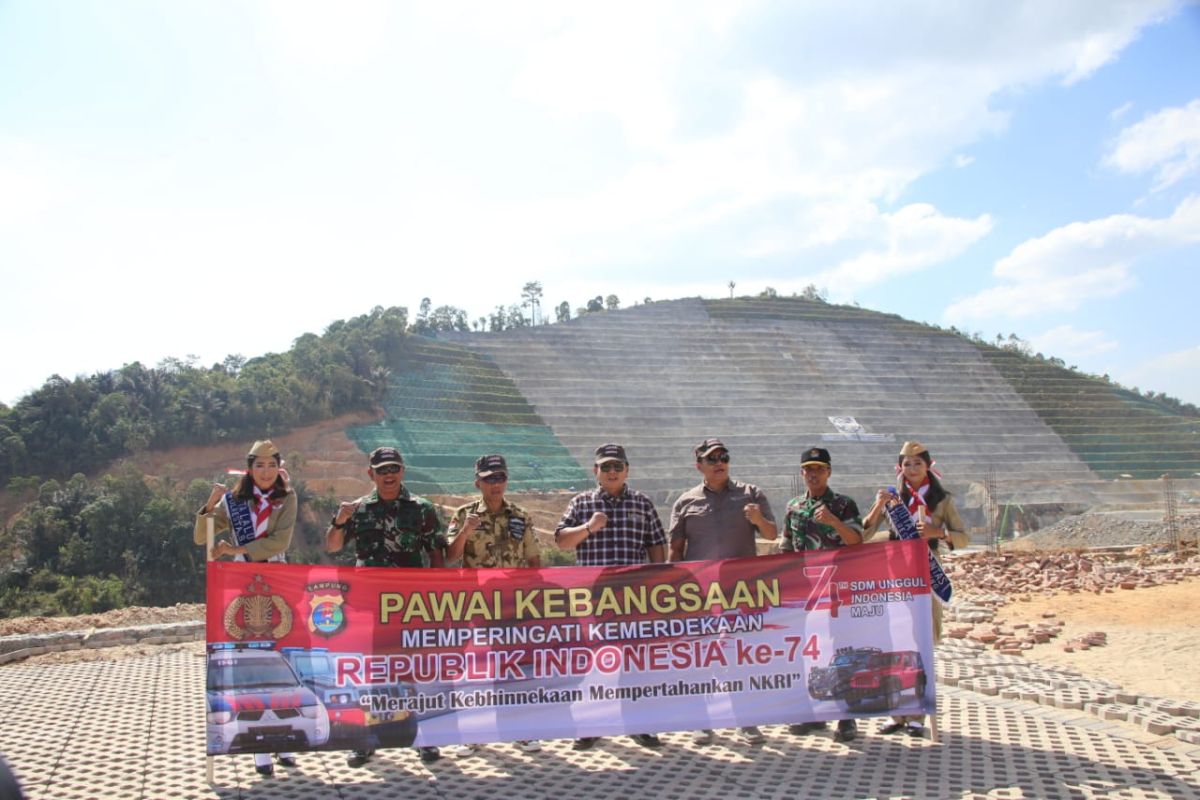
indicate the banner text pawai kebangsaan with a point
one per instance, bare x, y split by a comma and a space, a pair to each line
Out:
579, 601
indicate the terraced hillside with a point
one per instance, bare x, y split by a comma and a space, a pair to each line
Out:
772, 377
1116, 432
447, 405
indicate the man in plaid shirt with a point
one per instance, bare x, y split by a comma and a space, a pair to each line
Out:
612, 525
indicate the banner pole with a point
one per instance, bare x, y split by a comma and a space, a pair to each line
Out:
210, 531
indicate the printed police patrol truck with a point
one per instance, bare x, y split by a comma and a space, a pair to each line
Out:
256, 704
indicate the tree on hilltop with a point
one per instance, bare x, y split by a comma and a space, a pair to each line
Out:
531, 298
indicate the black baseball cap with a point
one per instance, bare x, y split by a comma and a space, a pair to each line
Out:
490, 465
816, 455
707, 446
386, 455
610, 452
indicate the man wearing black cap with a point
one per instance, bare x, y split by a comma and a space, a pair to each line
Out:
612, 525
492, 532
719, 519
820, 519
389, 528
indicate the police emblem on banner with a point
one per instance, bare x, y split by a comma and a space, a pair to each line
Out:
258, 614
326, 615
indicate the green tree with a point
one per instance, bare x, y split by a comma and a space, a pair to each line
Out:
811, 292
531, 298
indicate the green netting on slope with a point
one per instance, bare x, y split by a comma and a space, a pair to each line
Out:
1115, 432
440, 457
447, 406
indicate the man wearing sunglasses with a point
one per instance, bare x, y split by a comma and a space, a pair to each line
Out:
389, 528
719, 519
820, 519
492, 532
612, 525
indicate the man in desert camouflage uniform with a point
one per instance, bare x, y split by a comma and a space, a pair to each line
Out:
390, 528
492, 532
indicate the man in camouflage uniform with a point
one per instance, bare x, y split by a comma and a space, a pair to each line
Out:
821, 519
492, 532
390, 528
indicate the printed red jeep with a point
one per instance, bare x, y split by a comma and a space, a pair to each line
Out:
885, 676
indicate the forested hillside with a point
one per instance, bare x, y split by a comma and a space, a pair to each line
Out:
84, 424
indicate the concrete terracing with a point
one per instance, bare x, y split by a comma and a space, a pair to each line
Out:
660, 378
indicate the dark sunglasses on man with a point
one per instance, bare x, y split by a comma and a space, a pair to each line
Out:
495, 477
612, 466
722, 458
388, 469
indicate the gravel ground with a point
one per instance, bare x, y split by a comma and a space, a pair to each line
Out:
1105, 530
118, 618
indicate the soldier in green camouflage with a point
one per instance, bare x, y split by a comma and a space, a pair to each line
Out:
390, 528
821, 519
490, 531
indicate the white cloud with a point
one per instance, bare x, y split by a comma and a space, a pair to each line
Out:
1120, 111
828, 126
1067, 341
454, 145
1166, 142
32, 181
913, 238
1068, 266
1176, 373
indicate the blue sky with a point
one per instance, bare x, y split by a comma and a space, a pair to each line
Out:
215, 177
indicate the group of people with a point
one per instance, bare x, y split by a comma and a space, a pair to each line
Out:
611, 525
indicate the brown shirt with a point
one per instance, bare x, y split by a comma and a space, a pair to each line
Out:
713, 524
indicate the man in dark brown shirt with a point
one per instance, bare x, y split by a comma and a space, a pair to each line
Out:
719, 519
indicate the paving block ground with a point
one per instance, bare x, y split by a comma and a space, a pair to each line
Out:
134, 728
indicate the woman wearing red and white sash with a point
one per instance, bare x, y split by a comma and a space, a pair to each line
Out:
259, 515
937, 521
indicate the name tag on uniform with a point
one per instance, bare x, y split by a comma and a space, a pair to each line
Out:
516, 528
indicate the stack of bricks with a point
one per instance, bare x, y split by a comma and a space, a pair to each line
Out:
1032, 573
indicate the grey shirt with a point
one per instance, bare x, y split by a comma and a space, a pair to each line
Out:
714, 524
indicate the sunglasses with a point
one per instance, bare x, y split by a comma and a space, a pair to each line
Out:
388, 469
495, 477
721, 459
612, 466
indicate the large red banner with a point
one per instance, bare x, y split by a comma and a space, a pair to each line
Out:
303, 657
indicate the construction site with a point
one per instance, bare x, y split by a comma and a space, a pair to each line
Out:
1077, 494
